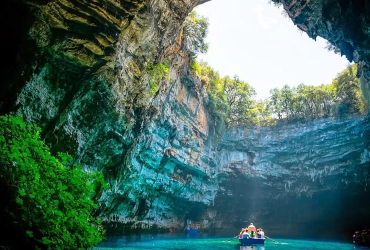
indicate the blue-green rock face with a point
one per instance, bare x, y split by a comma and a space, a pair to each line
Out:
299, 175
84, 80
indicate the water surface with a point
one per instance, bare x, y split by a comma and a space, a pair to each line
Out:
216, 243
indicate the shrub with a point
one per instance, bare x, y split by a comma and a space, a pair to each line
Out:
46, 201
156, 73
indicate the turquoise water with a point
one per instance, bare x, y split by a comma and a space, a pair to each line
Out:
208, 243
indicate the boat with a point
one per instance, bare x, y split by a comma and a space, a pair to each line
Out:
192, 231
251, 241
251, 236
192, 228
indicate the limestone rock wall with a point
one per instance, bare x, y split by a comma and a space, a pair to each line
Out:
293, 179
171, 164
87, 86
299, 154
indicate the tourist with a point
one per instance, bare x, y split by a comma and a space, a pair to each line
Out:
245, 234
262, 233
241, 233
251, 228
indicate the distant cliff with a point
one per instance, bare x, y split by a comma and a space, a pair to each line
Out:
79, 69
296, 178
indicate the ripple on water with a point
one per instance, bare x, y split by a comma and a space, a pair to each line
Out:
208, 243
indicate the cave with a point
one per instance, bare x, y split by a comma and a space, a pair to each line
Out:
165, 160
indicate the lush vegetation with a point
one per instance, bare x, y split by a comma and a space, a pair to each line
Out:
46, 201
231, 100
156, 73
340, 98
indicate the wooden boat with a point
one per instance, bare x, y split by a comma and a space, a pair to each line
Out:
251, 241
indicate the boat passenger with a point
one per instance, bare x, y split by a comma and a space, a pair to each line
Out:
258, 233
262, 233
252, 235
251, 228
245, 234
241, 233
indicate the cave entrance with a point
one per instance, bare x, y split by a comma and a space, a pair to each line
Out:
256, 42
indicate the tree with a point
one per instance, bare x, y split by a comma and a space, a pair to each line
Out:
239, 95
275, 105
348, 92
302, 102
46, 201
217, 104
195, 29
287, 100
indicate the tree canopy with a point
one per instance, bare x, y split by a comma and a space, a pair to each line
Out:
342, 97
232, 100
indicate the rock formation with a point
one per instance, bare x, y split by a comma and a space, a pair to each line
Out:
79, 69
299, 179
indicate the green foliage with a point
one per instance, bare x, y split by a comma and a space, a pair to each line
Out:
348, 92
239, 95
157, 72
196, 67
46, 200
195, 29
365, 91
218, 107
305, 102
217, 104
231, 100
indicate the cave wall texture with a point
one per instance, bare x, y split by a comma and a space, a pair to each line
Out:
78, 69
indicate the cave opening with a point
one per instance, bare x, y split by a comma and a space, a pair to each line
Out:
260, 44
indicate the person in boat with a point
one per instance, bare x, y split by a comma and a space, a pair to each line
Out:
260, 233
243, 233
252, 235
251, 228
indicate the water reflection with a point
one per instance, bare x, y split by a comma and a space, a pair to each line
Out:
252, 247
